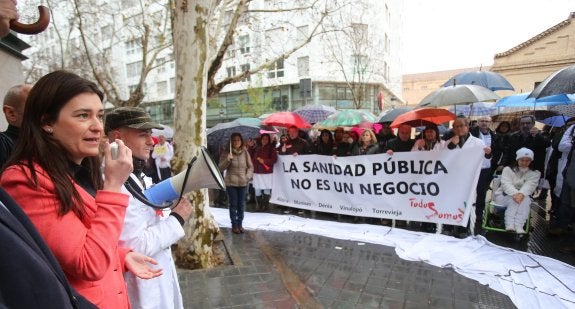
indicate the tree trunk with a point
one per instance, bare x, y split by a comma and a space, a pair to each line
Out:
191, 54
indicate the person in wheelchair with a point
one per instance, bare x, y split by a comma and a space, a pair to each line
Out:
518, 182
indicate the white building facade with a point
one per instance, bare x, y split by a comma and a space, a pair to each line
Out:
351, 61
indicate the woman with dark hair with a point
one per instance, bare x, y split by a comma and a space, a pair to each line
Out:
55, 175
239, 169
430, 139
503, 128
324, 145
264, 156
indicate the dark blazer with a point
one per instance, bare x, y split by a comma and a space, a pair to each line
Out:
31, 276
496, 146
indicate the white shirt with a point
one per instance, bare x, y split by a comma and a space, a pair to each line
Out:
151, 234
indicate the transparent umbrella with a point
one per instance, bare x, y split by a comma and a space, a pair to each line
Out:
459, 94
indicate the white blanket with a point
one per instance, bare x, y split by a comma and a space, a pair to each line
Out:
531, 281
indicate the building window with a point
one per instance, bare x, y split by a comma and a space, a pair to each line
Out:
134, 69
245, 68
277, 69
359, 32
133, 47
302, 34
231, 71
359, 64
244, 42
172, 85
303, 66
162, 88
160, 63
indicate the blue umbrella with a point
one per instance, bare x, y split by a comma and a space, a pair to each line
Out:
490, 80
522, 100
555, 121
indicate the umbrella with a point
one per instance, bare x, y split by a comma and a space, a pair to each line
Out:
286, 119
315, 112
221, 132
490, 80
458, 94
167, 132
555, 121
560, 82
523, 100
423, 116
538, 114
475, 109
390, 114
346, 118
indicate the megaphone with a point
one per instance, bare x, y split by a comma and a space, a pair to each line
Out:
202, 172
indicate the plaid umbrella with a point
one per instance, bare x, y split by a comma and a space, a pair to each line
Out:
346, 118
315, 113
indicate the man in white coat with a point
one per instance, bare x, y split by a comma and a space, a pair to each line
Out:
146, 229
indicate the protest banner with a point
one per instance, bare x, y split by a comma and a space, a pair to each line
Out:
425, 186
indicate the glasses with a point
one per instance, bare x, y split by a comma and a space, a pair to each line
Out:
522, 122
236, 140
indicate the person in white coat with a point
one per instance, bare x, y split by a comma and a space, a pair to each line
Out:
145, 228
518, 183
163, 152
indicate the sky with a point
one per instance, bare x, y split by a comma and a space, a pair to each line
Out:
451, 34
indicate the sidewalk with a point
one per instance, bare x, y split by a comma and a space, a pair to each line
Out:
299, 270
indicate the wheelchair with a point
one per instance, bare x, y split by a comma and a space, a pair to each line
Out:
494, 221
494, 217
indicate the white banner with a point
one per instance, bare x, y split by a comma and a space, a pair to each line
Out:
425, 186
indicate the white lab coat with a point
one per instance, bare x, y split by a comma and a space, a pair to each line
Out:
151, 234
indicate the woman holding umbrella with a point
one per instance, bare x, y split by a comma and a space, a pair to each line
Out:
239, 169
264, 156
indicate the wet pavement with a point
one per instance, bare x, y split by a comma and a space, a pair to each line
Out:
298, 270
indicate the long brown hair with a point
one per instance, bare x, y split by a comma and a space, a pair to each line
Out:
34, 146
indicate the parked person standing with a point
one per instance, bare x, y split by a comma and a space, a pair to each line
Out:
264, 156
145, 230
430, 141
55, 175
367, 144
324, 145
14, 103
463, 139
489, 166
528, 136
384, 135
402, 143
294, 145
163, 152
518, 182
238, 167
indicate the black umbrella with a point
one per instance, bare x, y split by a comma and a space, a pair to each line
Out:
391, 114
560, 82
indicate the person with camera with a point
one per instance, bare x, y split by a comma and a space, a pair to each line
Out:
146, 229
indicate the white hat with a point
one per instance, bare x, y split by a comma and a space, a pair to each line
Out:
524, 153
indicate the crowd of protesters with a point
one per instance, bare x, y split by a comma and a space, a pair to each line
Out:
500, 143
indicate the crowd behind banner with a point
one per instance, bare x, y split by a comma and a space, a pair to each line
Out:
422, 186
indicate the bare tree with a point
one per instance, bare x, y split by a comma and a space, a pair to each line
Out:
200, 54
356, 51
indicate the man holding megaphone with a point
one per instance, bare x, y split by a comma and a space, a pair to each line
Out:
146, 229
